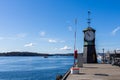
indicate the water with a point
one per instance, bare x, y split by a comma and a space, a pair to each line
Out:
33, 68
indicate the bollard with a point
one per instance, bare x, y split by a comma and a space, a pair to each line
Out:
59, 77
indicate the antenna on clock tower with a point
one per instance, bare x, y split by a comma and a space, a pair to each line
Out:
89, 19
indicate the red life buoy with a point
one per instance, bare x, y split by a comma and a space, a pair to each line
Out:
75, 54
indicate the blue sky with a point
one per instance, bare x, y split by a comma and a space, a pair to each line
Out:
47, 26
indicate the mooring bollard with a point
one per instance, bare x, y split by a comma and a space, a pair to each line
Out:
59, 77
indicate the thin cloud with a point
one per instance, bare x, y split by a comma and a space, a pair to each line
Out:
52, 41
55, 41
21, 35
55, 49
115, 30
65, 48
14, 37
42, 33
62, 41
29, 45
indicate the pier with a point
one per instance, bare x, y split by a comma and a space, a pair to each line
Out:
86, 65
96, 72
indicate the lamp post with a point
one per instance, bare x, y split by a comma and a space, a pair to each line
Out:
103, 56
115, 53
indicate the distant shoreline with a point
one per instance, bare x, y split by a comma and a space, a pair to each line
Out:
32, 54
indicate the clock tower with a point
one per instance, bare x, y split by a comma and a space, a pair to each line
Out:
89, 51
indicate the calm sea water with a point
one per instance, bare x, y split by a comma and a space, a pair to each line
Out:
33, 68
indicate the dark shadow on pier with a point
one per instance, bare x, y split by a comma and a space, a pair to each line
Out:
101, 74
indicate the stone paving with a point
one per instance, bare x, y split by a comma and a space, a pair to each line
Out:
97, 72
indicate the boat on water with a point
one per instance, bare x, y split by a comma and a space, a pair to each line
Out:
45, 56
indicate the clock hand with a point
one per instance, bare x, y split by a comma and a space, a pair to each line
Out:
88, 34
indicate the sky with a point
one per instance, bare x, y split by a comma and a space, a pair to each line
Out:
47, 26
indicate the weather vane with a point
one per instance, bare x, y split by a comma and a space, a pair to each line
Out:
89, 20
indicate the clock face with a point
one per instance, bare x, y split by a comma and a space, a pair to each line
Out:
89, 35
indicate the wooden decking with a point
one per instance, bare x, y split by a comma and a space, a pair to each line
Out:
97, 72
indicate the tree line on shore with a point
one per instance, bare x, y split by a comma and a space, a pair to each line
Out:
32, 54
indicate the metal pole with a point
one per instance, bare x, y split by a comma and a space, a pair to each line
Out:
103, 56
75, 39
115, 53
